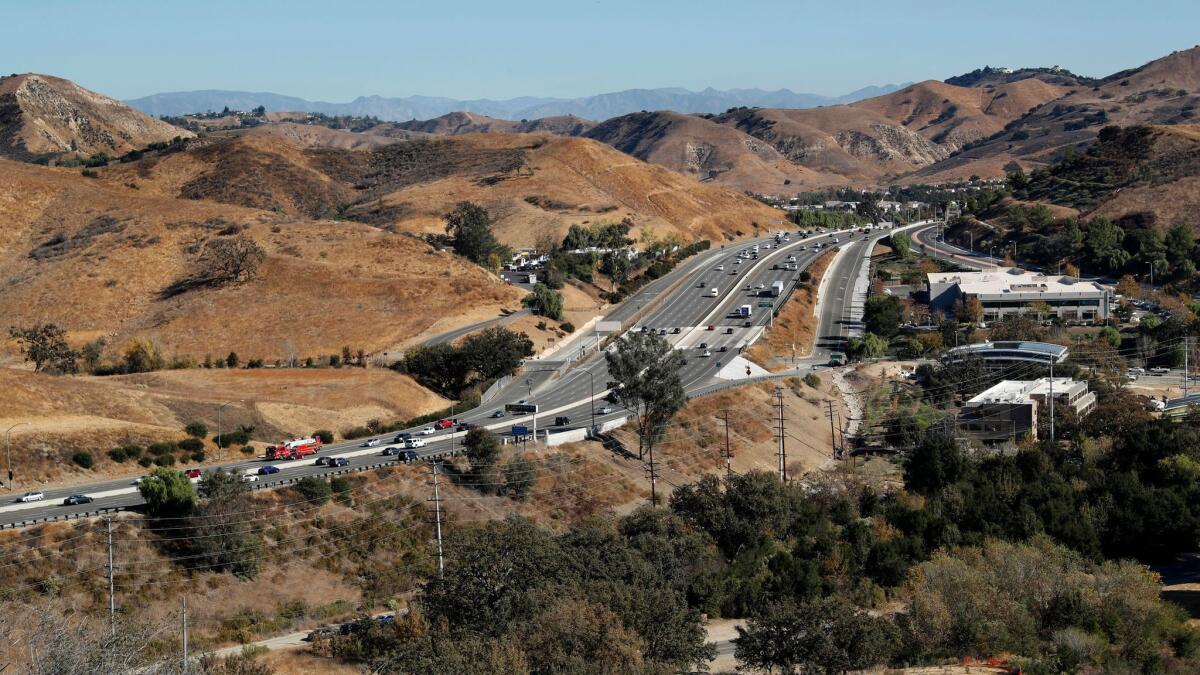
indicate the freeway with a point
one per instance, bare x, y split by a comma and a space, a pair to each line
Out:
676, 301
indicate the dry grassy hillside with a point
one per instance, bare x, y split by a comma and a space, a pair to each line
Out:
532, 184
43, 118
458, 123
1165, 92
708, 151
96, 256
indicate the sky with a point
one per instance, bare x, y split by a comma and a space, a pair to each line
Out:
335, 50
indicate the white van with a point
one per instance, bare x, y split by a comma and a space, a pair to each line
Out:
712, 293
414, 442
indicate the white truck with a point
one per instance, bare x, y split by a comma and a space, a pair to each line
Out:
776, 289
712, 293
744, 311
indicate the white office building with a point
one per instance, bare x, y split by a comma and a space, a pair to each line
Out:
1009, 410
1011, 290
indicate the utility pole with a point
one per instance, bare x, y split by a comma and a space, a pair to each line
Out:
780, 433
8, 444
437, 516
1187, 347
832, 433
185, 636
728, 454
112, 601
652, 474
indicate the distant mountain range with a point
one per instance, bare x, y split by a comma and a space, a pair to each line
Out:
598, 107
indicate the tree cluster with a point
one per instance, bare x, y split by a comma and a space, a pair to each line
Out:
451, 369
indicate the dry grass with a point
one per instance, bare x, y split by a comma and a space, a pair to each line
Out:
796, 323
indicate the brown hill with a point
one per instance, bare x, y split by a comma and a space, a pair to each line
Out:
96, 257
532, 184
878, 138
458, 123
1163, 92
45, 118
706, 150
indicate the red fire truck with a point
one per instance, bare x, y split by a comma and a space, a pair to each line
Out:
294, 449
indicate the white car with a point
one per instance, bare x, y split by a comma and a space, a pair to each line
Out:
720, 268
428, 431
249, 478
1159, 370
604, 410
32, 497
737, 262
706, 353
373, 442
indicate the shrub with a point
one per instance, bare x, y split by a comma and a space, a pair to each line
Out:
145, 461
198, 457
813, 380
117, 455
160, 449
196, 429
341, 490
247, 449
315, 490
84, 459
192, 445
567, 326
165, 460
323, 435
231, 438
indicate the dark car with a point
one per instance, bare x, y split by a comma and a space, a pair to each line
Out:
561, 420
322, 461
407, 456
338, 461
323, 633
75, 500
746, 324
729, 331
498, 414
466, 426
400, 438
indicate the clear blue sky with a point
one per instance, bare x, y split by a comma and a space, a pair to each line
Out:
337, 49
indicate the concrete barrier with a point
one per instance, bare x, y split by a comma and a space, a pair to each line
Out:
605, 427
570, 436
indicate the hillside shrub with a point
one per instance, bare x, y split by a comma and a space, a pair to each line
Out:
196, 429
567, 327
341, 491
813, 380
145, 461
165, 460
314, 490
160, 449
84, 459
191, 445
323, 435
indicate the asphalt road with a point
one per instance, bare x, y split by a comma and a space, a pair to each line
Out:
577, 393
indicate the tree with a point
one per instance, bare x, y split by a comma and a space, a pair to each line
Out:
232, 360
969, 309
648, 372
579, 636
1104, 244
168, 494
1180, 242
873, 346
882, 315
545, 302
482, 449
935, 463
902, 245
1071, 270
828, 635
470, 226
495, 352
1127, 286
520, 475
1039, 218
315, 490
142, 356
616, 265
868, 209
196, 430
224, 539
223, 261
46, 346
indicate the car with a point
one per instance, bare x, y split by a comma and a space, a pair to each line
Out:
712, 327
761, 286
1137, 370
401, 437
414, 443
445, 424
706, 353
683, 362
32, 497
732, 272
729, 331
662, 331
737, 262
323, 633
249, 478
139, 479
720, 268
835, 240
498, 414
372, 442
76, 500
723, 349
193, 473
322, 461
746, 324
428, 431
1159, 370
803, 248
407, 456
703, 345
604, 410
676, 331
562, 420
267, 470
338, 461
391, 450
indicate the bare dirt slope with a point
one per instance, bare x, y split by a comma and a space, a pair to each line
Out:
96, 256
532, 184
45, 118
708, 151
1165, 91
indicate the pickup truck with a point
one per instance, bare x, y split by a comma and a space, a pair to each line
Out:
445, 424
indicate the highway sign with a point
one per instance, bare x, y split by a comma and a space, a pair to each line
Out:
764, 303
520, 431
525, 408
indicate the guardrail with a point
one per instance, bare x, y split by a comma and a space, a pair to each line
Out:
62, 517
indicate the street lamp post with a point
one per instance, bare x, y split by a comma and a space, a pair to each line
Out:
219, 408
592, 395
8, 443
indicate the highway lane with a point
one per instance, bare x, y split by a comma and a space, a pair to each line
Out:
572, 392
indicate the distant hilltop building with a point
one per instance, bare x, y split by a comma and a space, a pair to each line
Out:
1007, 291
1009, 410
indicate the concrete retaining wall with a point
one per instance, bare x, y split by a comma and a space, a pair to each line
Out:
571, 436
